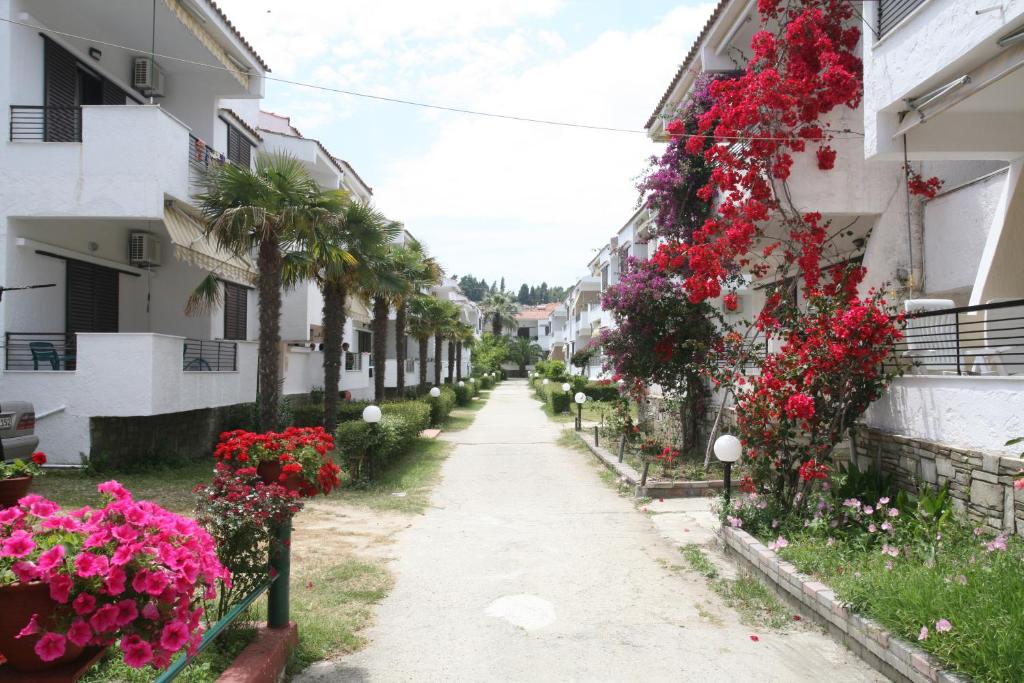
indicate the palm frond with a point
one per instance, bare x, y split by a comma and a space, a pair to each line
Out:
207, 296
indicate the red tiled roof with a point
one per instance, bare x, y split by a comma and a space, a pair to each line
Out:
541, 312
224, 18
694, 49
355, 173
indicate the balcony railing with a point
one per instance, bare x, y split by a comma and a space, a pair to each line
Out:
37, 123
203, 355
410, 365
201, 155
39, 351
353, 361
987, 339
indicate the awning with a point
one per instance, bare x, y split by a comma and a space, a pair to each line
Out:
191, 244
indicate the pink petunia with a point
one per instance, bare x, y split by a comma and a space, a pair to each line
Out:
88, 565
60, 588
137, 652
114, 489
25, 571
50, 647
115, 581
30, 629
943, 626
104, 620
50, 558
155, 584
79, 633
894, 512
9, 516
84, 604
127, 612
150, 611
43, 508
174, 636
18, 544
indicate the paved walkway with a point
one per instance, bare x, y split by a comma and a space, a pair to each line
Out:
531, 568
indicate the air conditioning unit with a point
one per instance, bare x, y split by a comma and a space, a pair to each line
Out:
147, 77
143, 249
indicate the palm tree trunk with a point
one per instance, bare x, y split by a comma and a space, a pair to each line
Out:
400, 346
334, 329
458, 361
269, 287
424, 344
437, 360
451, 361
496, 325
380, 346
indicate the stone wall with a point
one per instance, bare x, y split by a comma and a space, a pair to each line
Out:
981, 484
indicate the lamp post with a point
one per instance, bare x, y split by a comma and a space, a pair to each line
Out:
728, 450
435, 392
566, 387
580, 398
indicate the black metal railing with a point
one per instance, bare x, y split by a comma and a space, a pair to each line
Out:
204, 355
353, 361
892, 12
38, 123
39, 351
201, 155
987, 339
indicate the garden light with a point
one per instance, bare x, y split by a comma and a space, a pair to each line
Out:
566, 387
728, 449
580, 399
371, 414
545, 381
435, 392
462, 384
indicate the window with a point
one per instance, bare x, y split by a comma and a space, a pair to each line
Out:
68, 84
236, 311
239, 147
604, 278
892, 12
91, 298
523, 332
364, 341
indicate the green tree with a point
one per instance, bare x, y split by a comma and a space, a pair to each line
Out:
421, 327
337, 257
419, 271
524, 295
500, 308
523, 352
266, 209
384, 286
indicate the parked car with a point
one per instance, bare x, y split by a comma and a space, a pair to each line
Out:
17, 429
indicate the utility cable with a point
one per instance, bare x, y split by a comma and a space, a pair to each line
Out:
408, 102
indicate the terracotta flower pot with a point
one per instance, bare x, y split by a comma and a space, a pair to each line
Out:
20, 602
270, 472
13, 489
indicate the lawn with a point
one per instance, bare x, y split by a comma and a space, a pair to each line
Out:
169, 488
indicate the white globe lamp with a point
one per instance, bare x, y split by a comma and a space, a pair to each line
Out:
435, 392
371, 414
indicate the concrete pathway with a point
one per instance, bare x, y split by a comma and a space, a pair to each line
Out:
530, 568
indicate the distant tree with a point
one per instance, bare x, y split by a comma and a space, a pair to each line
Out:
501, 288
542, 293
524, 296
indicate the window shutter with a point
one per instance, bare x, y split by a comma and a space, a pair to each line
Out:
236, 309
60, 75
892, 12
113, 94
91, 298
239, 149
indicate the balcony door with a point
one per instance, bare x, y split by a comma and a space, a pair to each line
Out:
68, 84
91, 303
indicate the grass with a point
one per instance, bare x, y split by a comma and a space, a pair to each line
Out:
699, 562
568, 439
169, 488
413, 474
331, 605
981, 593
756, 604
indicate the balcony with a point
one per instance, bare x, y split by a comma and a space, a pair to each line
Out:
303, 370
128, 374
108, 161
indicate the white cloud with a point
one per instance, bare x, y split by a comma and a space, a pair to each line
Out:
529, 201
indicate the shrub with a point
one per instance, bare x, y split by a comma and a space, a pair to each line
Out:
463, 394
351, 410
417, 413
596, 391
308, 415
554, 370
441, 406
560, 401
366, 449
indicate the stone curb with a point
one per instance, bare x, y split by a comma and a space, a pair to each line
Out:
890, 655
264, 659
660, 489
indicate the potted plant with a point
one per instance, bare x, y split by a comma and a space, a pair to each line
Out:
129, 571
296, 458
16, 477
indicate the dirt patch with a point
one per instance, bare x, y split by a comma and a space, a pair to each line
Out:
323, 531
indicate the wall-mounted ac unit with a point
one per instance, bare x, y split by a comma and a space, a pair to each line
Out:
147, 77
143, 249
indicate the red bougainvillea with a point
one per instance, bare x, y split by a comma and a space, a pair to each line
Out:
920, 186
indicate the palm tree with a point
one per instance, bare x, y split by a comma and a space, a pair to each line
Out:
336, 257
420, 271
523, 352
382, 288
501, 308
442, 316
421, 327
266, 209
465, 340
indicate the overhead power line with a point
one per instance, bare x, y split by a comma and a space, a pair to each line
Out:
844, 134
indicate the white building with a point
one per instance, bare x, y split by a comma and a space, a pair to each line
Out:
96, 180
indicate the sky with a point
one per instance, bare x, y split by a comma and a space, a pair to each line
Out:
492, 198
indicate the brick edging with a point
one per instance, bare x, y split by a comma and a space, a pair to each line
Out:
660, 489
890, 655
263, 660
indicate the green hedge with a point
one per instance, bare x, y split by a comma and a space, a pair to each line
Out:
463, 394
308, 415
416, 413
601, 392
441, 406
364, 449
559, 401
